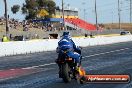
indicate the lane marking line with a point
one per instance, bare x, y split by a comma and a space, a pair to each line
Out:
106, 52
82, 57
33, 67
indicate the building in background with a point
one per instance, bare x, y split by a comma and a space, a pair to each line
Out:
68, 13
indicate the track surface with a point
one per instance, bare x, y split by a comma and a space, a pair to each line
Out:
39, 70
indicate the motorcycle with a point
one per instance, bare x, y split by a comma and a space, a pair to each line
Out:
67, 67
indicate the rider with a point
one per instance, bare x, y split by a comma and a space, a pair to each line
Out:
73, 51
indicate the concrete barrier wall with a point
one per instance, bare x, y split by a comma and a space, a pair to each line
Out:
24, 47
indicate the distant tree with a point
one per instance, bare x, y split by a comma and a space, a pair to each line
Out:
51, 7
57, 8
15, 9
32, 8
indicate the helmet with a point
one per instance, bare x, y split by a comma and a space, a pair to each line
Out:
66, 34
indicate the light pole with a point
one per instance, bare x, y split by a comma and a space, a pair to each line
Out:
111, 19
130, 11
84, 9
96, 15
119, 14
112, 16
63, 23
6, 16
84, 14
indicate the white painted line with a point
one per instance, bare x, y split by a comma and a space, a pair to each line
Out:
33, 67
82, 57
47, 64
12, 69
106, 52
6, 79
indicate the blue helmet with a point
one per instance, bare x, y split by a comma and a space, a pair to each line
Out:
66, 34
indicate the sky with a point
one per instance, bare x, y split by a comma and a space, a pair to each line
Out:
107, 10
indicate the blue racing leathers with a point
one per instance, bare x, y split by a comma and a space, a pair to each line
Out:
67, 44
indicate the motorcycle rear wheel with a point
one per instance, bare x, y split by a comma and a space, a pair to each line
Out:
66, 73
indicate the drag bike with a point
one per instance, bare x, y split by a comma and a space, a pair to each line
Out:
67, 67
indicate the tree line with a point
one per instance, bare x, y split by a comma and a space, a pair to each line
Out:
32, 8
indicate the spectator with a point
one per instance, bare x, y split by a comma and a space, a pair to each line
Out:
86, 35
10, 36
5, 39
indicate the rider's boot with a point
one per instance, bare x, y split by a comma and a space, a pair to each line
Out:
77, 67
78, 64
